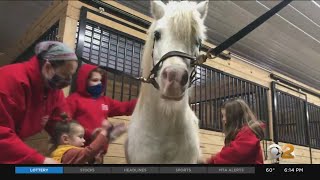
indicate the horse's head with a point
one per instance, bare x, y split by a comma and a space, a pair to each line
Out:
178, 26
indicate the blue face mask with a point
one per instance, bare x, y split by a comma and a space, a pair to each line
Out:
95, 91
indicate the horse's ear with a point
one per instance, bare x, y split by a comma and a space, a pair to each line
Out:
202, 8
157, 9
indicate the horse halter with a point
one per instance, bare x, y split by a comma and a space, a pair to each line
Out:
194, 61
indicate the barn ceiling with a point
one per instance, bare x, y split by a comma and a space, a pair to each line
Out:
288, 43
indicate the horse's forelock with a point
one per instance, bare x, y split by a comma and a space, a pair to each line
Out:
183, 22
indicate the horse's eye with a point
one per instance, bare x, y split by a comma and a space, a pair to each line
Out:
157, 35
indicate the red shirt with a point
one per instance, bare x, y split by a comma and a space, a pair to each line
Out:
89, 111
25, 107
244, 149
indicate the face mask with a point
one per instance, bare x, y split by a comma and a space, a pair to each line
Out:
95, 90
57, 82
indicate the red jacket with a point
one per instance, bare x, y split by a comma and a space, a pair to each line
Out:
25, 106
244, 149
90, 112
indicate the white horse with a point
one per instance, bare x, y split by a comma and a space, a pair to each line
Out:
163, 127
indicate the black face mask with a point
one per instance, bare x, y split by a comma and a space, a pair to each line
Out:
57, 82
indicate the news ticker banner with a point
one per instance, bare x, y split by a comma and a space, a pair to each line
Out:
276, 169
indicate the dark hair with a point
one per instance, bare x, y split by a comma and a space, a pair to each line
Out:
98, 70
238, 115
65, 126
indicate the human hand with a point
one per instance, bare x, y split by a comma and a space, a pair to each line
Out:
50, 161
106, 124
117, 131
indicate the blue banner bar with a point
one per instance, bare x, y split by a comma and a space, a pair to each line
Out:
39, 170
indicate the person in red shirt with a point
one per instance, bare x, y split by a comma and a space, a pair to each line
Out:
68, 143
31, 100
243, 133
88, 105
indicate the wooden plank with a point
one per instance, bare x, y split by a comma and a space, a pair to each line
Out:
210, 149
115, 25
68, 33
125, 8
211, 139
116, 150
114, 160
41, 145
240, 69
41, 135
75, 14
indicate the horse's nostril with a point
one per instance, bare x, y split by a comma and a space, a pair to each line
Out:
184, 79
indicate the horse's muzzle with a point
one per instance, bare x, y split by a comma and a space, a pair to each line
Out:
174, 81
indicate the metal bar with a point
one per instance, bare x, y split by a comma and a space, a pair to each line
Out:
139, 68
131, 63
124, 65
116, 67
281, 117
256, 101
206, 104
287, 118
248, 96
311, 124
241, 89
307, 122
219, 117
200, 104
298, 126
195, 94
245, 90
224, 87
237, 85
233, 90
215, 100
317, 129
274, 114
211, 102
100, 44
260, 101
229, 87
91, 44
265, 107
294, 134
